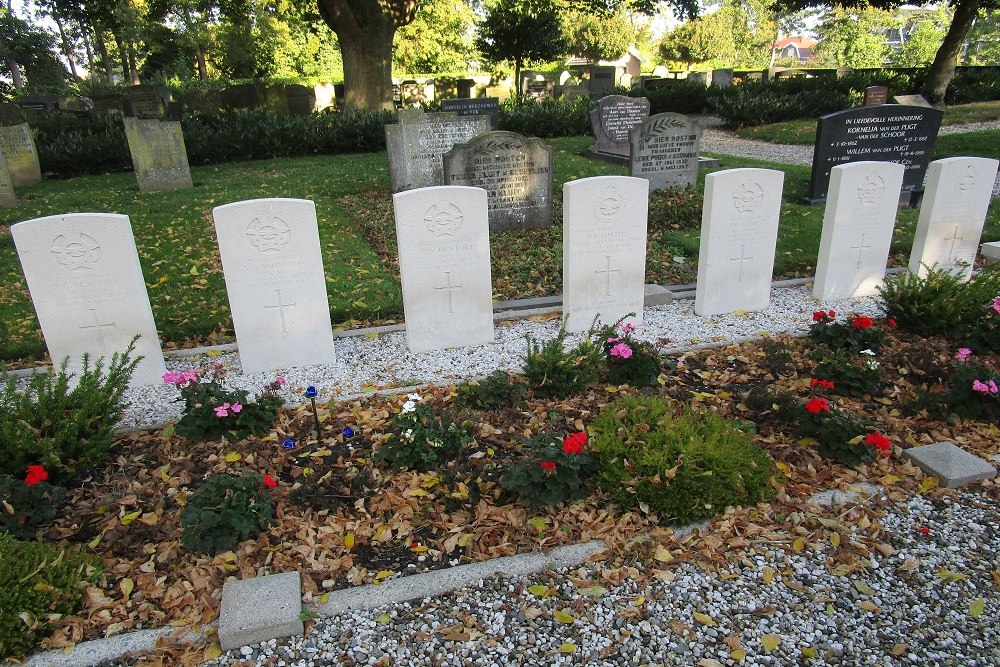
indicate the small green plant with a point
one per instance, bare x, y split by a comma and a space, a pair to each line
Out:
556, 470
226, 510
841, 435
973, 387
629, 361
64, 427
855, 375
212, 411
28, 503
420, 439
555, 372
781, 404
498, 389
858, 333
984, 335
940, 303
39, 583
685, 465
778, 358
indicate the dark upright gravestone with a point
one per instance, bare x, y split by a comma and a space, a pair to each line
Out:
46, 101
602, 80
274, 98
478, 106
242, 97
145, 101
11, 114
515, 171
113, 103
540, 88
722, 78
665, 150
301, 100
463, 87
612, 120
887, 133
876, 95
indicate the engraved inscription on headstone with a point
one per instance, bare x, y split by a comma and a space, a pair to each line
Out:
886, 133
665, 150
613, 119
7, 195
876, 95
604, 250
444, 267
144, 101
479, 106
416, 148
515, 170
83, 273
18, 148
952, 215
159, 155
274, 274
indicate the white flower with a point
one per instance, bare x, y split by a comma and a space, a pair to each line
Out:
414, 397
409, 406
868, 352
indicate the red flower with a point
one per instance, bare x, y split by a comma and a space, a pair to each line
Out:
925, 531
548, 465
819, 315
833, 314
861, 322
818, 405
891, 322
879, 442
270, 482
35, 475
573, 444
822, 384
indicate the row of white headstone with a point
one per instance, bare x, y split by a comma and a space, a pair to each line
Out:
86, 282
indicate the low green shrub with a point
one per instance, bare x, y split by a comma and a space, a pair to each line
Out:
940, 303
761, 102
547, 117
782, 405
555, 470
555, 372
38, 584
684, 464
983, 337
226, 510
857, 375
27, 503
212, 411
973, 389
842, 436
420, 439
498, 389
67, 429
682, 96
70, 146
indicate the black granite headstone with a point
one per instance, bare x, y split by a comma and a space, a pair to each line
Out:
886, 133
476, 106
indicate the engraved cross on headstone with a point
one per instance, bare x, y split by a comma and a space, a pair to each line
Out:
280, 307
742, 259
100, 328
450, 289
607, 273
861, 247
954, 238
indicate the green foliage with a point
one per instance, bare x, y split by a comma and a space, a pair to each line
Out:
438, 40
983, 336
498, 389
39, 583
516, 31
547, 117
421, 440
783, 405
224, 511
628, 361
238, 417
24, 507
761, 102
973, 390
840, 434
65, 428
857, 333
69, 145
682, 96
555, 470
685, 465
596, 35
555, 372
940, 303
853, 374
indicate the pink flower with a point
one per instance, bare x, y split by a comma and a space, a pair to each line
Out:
628, 328
621, 350
190, 376
172, 378
963, 353
613, 340
981, 387
236, 407
222, 410
281, 380
996, 304
993, 387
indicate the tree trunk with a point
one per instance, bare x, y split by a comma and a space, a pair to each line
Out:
133, 66
517, 77
67, 50
199, 54
102, 50
15, 73
942, 70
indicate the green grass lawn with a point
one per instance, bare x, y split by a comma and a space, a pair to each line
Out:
177, 248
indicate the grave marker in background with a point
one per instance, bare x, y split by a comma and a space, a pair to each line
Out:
952, 215
604, 249
876, 95
158, 154
739, 231
144, 101
416, 148
612, 120
18, 148
85, 280
7, 195
857, 229
722, 78
515, 171
665, 150
443, 237
478, 106
276, 284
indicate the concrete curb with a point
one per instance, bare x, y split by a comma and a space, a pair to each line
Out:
96, 651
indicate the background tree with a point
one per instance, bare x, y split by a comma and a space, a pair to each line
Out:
984, 39
595, 36
517, 31
698, 42
852, 38
922, 31
438, 40
29, 55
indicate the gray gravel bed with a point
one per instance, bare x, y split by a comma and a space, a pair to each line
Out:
913, 607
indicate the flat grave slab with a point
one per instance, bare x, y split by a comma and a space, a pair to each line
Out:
256, 610
990, 251
952, 465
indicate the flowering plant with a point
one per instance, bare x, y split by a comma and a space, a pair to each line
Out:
984, 335
421, 439
555, 470
855, 333
842, 436
849, 374
212, 411
28, 503
629, 361
974, 386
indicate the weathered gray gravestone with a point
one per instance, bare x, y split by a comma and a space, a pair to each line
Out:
515, 171
416, 149
444, 267
301, 100
145, 101
274, 274
18, 148
158, 154
7, 195
722, 78
857, 229
612, 120
665, 150
604, 250
85, 280
478, 106
739, 231
11, 114
952, 215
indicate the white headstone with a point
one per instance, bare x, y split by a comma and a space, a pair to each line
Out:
604, 249
85, 280
444, 266
277, 288
739, 231
952, 214
857, 229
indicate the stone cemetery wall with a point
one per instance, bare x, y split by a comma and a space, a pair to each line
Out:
886, 133
7, 195
20, 154
952, 215
444, 267
416, 149
276, 283
739, 232
857, 229
613, 119
665, 151
479, 106
11, 114
604, 250
515, 171
158, 154
85, 281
